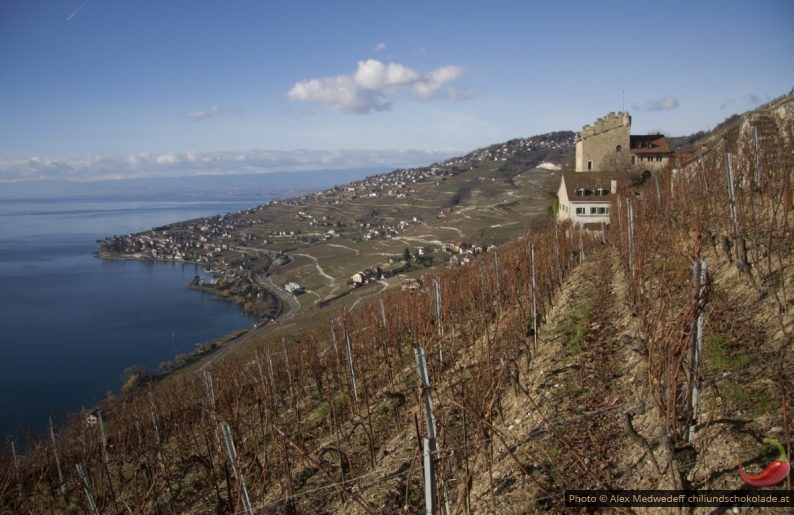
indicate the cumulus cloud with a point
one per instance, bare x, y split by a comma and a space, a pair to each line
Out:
373, 83
340, 92
374, 75
430, 85
379, 47
185, 164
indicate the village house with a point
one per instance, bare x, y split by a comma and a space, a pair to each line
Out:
294, 288
651, 152
584, 198
364, 276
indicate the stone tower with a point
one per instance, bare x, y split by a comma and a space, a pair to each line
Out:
604, 143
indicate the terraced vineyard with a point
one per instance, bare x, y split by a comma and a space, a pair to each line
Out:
562, 359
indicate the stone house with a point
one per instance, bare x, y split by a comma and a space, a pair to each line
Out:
608, 145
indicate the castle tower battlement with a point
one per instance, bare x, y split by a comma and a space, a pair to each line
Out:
607, 145
606, 123
598, 145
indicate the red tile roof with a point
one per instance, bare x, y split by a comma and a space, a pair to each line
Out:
649, 144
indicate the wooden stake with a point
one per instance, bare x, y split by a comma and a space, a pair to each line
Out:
699, 281
757, 158
87, 489
739, 243
557, 253
106, 459
351, 368
630, 222
437, 304
430, 449
496, 274
232, 452
534, 295
55, 452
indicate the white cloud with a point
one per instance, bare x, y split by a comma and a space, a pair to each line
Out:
664, 104
213, 112
340, 92
379, 47
370, 87
431, 84
185, 164
373, 74
201, 115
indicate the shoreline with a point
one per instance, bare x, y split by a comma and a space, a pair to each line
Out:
214, 349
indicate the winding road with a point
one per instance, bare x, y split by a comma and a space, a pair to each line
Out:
285, 298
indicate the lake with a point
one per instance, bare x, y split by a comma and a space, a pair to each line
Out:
72, 323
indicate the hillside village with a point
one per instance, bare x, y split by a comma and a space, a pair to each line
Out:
234, 252
242, 250
238, 253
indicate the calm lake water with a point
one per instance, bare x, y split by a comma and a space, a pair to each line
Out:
70, 323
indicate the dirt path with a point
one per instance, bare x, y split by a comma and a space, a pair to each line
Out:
569, 417
595, 332
409, 239
319, 268
356, 251
460, 233
494, 226
384, 285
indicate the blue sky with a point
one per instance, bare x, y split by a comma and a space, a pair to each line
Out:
95, 89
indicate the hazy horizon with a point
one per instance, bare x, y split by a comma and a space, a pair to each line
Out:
272, 184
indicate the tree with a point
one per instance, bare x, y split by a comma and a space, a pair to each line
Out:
407, 255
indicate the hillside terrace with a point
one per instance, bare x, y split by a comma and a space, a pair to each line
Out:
380, 215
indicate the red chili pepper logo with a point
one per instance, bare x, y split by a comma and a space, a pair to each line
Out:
773, 474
